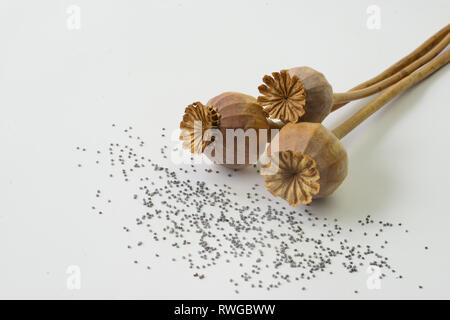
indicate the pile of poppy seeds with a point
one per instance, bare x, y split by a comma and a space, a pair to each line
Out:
201, 224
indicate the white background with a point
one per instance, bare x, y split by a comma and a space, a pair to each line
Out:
140, 63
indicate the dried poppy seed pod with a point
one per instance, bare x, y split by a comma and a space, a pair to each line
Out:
297, 94
227, 112
303, 94
311, 163
194, 137
318, 91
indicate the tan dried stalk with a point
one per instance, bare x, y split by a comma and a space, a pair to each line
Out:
304, 94
423, 49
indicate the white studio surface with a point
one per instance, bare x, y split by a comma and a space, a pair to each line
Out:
69, 69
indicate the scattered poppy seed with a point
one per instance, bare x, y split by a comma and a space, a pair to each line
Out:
279, 244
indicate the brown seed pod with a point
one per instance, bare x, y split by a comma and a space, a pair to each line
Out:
193, 136
298, 93
304, 94
310, 161
227, 112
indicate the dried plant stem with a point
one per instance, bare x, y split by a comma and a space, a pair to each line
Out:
362, 93
342, 130
413, 56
